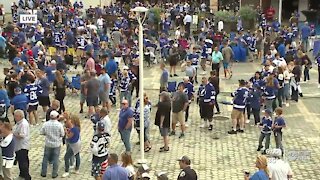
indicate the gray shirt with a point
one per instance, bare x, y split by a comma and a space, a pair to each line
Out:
227, 54
190, 71
93, 86
178, 101
22, 129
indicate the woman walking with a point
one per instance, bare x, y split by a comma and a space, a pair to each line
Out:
73, 144
269, 93
127, 163
59, 86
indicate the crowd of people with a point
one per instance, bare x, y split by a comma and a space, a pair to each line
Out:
41, 56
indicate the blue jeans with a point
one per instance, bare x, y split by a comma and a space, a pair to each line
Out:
52, 155
67, 159
125, 95
125, 137
286, 92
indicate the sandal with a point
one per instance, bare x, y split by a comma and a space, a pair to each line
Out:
147, 149
164, 149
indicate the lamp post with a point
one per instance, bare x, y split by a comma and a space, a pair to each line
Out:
138, 11
280, 11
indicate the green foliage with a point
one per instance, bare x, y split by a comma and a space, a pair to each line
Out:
157, 13
225, 16
247, 13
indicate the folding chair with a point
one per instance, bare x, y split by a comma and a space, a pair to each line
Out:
172, 86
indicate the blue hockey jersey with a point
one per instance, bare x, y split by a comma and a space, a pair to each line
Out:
240, 98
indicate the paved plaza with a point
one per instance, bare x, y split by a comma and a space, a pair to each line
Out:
213, 159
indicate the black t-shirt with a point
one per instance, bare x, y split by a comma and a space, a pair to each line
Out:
164, 109
11, 86
187, 174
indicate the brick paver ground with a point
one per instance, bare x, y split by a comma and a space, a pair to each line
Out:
213, 159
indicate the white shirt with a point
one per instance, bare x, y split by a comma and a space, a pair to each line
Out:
274, 52
278, 169
220, 26
187, 19
100, 22
279, 62
177, 34
107, 124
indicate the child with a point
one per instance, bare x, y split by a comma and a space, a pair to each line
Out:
112, 95
277, 126
265, 126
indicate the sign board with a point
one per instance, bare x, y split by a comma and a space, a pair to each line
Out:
28, 19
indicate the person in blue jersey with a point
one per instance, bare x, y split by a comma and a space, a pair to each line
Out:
4, 104
81, 43
265, 127
208, 94
19, 101
257, 80
189, 91
136, 116
269, 93
252, 47
255, 102
194, 58
113, 90
32, 91
7, 144
276, 25
277, 126
200, 102
239, 103
305, 33
125, 86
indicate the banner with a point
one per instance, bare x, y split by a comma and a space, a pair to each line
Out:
28, 19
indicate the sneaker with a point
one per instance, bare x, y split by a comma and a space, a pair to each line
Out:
232, 132
247, 121
44, 120
210, 128
259, 148
300, 94
37, 124
81, 111
76, 172
186, 125
218, 112
175, 75
43, 175
137, 143
65, 175
203, 125
181, 135
172, 133
170, 75
178, 124
71, 167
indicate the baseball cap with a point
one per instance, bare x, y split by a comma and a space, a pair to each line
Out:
145, 175
53, 62
162, 176
54, 114
100, 125
17, 89
185, 159
125, 68
40, 52
268, 111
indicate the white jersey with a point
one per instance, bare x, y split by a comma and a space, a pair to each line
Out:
100, 145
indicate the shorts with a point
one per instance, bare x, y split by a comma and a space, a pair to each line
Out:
32, 108
80, 52
236, 114
98, 168
52, 51
82, 98
92, 101
44, 100
178, 117
207, 111
164, 131
71, 51
225, 65
104, 97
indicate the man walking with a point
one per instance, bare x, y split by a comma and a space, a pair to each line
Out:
186, 173
104, 88
53, 132
115, 172
179, 105
125, 124
21, 134
216, 59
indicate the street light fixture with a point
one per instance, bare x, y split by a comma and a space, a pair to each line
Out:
138, 11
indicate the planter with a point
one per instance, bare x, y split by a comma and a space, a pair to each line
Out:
248, 24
